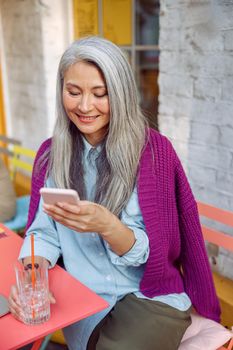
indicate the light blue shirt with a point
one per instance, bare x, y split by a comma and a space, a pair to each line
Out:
90, 259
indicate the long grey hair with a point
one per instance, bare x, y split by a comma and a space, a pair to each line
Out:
118, 161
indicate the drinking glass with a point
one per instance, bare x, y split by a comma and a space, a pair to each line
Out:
33, 292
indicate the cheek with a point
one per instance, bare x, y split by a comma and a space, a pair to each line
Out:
69, 102
103, 106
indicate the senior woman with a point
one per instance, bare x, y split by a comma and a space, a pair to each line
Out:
134, 237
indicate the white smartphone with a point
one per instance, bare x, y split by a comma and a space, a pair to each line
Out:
54, 195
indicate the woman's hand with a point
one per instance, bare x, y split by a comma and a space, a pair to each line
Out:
14, 303
91, 217
84, 217
13, 300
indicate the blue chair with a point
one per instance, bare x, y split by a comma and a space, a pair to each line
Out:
19, 221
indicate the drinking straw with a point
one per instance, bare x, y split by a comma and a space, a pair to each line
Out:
33, 261
33, 268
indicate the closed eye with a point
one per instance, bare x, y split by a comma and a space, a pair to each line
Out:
102, 95
73, 93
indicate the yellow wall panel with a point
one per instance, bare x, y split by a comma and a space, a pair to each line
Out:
117, 21
85, 18
2, 114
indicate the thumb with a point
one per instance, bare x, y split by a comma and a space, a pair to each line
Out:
52, 298
82, 203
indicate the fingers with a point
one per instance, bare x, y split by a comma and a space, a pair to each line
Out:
14, 304
52, 298
74, 225
85, 208
82, 208
62, 210
84, 217
14, 296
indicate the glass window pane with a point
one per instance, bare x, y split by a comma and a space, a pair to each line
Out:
117, 21
147, 75
147, 22
85, 18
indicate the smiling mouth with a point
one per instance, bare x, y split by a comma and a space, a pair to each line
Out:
87, 118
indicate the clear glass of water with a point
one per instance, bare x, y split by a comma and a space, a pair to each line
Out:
33, 297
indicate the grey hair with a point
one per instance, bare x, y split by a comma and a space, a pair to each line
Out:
118, 163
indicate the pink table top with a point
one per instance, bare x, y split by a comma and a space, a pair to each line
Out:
74, 301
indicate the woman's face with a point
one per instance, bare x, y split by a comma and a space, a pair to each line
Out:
85, 99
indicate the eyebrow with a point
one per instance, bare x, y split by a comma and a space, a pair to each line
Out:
94, 87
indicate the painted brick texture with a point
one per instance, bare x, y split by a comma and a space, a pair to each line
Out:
196, 97
34, 34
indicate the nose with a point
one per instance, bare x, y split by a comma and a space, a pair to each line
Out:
85, 103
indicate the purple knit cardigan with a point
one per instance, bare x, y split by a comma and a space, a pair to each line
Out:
172, 224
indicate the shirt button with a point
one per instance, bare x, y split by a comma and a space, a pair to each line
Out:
101, 253
108, 277
93, 234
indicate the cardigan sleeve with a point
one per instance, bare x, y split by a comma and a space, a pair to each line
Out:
197, 276
38, 179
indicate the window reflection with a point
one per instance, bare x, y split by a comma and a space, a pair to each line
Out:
147, 76
147, 22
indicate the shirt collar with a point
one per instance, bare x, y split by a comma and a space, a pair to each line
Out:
89, 149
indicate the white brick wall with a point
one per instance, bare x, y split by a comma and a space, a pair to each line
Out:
196, 91
35, 34
196, 95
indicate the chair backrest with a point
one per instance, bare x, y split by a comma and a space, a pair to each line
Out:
22, 160
6, 147
218, 215
221, 272
204, 333
20, 166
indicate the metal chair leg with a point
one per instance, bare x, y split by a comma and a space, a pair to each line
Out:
45, 342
